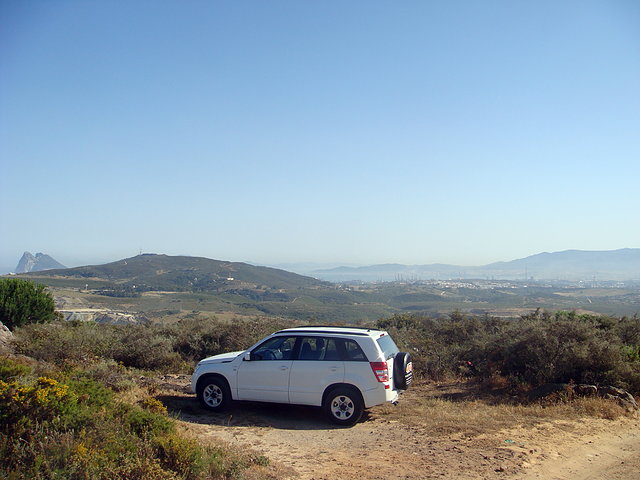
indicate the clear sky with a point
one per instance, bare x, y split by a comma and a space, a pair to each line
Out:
352, 132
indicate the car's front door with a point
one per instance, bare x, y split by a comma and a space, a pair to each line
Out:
265, 376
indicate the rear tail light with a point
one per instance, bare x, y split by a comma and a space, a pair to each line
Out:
381, 371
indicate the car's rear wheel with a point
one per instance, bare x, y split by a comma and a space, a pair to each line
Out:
343, 406
214, 393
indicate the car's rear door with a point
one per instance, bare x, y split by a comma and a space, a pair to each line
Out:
317, 366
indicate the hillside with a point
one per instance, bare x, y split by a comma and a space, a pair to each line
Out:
164, 272
161, 287
574, 265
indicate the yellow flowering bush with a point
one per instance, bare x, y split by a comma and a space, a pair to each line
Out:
73, 426
44, 400
154, 406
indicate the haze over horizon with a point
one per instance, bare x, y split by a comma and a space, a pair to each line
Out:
313, 268
289, 132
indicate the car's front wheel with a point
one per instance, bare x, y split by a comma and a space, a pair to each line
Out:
214, 393
343, 406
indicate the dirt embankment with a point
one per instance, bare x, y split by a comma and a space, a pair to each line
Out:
411, 443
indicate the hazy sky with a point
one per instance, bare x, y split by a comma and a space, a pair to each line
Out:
350, 132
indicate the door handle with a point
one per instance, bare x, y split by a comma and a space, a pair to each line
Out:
283, 368
333, 369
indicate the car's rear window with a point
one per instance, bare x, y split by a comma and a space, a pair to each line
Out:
388, 346
353, 352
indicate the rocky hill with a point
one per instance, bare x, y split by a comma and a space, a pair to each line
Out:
37, 263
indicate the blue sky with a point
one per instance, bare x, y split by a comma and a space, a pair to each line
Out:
296, 131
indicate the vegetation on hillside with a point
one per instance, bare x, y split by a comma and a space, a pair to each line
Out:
162, 348
78, 419
69, 413
65, 424
539, 348
75, 402
163, 272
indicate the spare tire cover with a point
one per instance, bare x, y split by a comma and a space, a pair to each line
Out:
402, 370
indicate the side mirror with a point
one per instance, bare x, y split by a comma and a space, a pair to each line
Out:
247, 356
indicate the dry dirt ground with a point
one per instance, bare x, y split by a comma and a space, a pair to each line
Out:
389, 443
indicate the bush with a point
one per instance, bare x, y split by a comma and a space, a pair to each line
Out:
10, 369
145, 347
75, 343
184, 456
74, 427
67, 342
171, 348
110, 373
561, 351
23, 302
46, 400
145, 422
539, 348
195, 339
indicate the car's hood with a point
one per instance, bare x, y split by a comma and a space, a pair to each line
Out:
222, 358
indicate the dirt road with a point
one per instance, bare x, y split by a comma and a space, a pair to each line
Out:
384, 445
592, 451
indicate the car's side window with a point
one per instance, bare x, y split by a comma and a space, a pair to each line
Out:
351, 351
318, 348
312, 348
276, 348
331, 351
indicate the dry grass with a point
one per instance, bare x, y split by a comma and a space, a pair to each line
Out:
461, 408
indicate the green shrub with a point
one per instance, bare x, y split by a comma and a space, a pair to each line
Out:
74, 427
560, 351
171, 348
145, 422
67, 342
23, 302
10, 369
79, 343
154, 406
195, 339
23, 406
184, 456
147, 348
539, 348
109, 373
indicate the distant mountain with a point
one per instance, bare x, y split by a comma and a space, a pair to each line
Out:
163, 272
574, 265
41, 261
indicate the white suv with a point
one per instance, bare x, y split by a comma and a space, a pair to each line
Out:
341, 369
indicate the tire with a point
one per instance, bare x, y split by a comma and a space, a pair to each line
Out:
402, 371
343, 406
214, 393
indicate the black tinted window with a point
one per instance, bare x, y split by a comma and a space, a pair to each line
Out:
351, 351
318, 348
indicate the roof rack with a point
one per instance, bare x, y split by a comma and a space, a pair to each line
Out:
305, 329
337, 326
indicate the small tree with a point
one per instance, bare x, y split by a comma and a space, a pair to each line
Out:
23, 302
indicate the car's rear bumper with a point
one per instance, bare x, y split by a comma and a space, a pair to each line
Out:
380, 395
